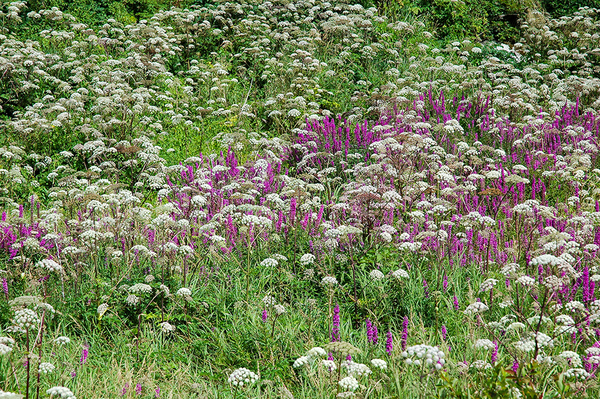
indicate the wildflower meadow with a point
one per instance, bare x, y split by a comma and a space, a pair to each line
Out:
299, 199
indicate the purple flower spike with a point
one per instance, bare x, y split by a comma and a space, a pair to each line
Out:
389, 343
335, 332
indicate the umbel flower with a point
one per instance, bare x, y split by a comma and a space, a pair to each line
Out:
10, 395
242, 377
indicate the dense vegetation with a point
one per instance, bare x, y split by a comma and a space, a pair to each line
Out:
299, 199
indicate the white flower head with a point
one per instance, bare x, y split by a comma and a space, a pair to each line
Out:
46, 368
329, 280
376, 275
61, 392
50, 265
307, 259
476, 307
242, 377
379, 363
279, 309
349, 383
184, 293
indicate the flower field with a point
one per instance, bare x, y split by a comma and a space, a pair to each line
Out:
298, 199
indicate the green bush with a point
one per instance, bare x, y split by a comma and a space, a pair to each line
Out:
559, 8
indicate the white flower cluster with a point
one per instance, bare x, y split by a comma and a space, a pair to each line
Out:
26, 318
488, 285
50, 265
269, 262
349, 383
356, 369
485, 344
166, 327
10, 395
576, 373
376, 275
529, 344
6, 345
279, 309
329, 365
476, 307
62, 340
432, 356
102, 308
571, 358
329, 280
140, 288
400, 274
132, 300
242, 377
301, 361
313, 354
61, 392
379, 363
185, 293
481, 365
307, 259
46, 368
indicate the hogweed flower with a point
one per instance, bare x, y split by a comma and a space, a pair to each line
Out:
376, 275
61, 392
166, 327
349, 383
10, 395
379, 363
241, 377
62, 340
432, 356
46, 368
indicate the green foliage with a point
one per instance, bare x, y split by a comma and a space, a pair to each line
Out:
558, 8
483, 20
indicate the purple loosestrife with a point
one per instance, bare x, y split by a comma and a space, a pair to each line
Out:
456, 306
389, 343
369, 331
84, 355
444, 332
335, 331
445, 284
265, 315
404, 338
375, 337
124, 390
426, 288
515, 366
494, 357
157, 392
138, 388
